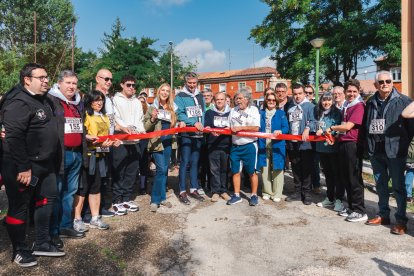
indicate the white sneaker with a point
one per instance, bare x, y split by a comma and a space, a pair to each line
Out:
130, 206
201, 191
119, 209
266, 197
277, 199
355, 217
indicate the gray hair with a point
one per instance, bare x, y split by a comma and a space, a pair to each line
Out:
245, 93
340, 88
220, 93
190, 75
383, 72
66, 74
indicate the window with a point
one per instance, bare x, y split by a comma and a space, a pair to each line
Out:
241, 85
259, 86
207, 86
150, 92
222, 87
396, 73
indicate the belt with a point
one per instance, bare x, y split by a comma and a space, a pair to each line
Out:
79, 148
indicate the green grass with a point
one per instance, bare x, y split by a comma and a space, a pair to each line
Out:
113, 257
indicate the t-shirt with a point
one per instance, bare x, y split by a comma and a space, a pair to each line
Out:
353, 114
247, 117
110, 112
73, 128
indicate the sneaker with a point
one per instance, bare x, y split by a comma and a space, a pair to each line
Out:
197, 196
106, 213
184, 199
47, 249
24, 258
234, 200
326, 203
97, 223
201, 191
80, 226
276, 199
166, 204
71, 233
225, 196
119, 209
339, 206
153, 207
87, 219
215, 198
254, 200
355, 217
266, 197
57, 241
345, 212
293, 197
131, 206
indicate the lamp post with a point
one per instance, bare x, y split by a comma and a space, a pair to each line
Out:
317, 43
171, 66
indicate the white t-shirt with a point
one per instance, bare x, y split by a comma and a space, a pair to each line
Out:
247, 117
110, 112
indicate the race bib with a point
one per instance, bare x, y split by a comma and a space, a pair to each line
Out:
164, 115
101, 149
295, 116
377, 126
221, 121
194, 111
239, 117
73, 125
321, 125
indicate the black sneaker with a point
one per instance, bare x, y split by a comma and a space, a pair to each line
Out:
24, 258
184, 199
294, 197
106, 213
197, 196
47, 249
57, 241
71, 233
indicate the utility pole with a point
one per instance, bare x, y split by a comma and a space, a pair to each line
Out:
35, 37
73, 46
171, 66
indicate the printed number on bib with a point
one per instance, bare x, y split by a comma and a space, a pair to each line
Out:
296, 115
164, 115
101, 149
221, 121
377, 126
194, 111
73, 125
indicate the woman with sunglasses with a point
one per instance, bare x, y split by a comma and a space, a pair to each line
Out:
272, 153
160, 116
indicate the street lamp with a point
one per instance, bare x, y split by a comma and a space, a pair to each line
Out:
171, 66
317, 43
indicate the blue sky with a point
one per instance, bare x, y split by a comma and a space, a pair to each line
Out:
203, 31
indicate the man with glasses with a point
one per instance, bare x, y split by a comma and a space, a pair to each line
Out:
339, 96
129, 117
310, 94
282, 98
29, 163
388, 136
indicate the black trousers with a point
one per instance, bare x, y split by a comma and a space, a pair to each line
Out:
125, 164
19, 197
302, 166
330, 167
350, 175
219, 165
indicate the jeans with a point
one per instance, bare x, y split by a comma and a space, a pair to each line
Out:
409, 179
161, 160
67, 185
384, 169
219, 161
190, 154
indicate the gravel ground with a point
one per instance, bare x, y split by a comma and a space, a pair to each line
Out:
215, 239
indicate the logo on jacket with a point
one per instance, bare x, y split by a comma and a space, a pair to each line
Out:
41, 114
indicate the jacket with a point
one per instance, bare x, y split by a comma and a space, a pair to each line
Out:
154, 144
334, 117
221, 141
398, 131
279, 122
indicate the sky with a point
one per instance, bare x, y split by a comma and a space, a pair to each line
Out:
214, 34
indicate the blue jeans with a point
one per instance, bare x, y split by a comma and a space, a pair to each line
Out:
384, 169
161, 160
190, 154
67, 185
409, 179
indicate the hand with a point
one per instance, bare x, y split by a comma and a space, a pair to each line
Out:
235, 129
181, 124
154, 115
91, 138
3, 133
126, 130
305, 135
24, 177
199, 126
117, 143
277, 132
107, 143
319, 132
328, 130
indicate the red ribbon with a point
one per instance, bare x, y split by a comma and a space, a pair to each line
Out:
223, 131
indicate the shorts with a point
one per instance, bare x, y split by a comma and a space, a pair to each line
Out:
243, 156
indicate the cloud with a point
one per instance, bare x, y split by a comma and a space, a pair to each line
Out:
169, 2
264, 62
201, 53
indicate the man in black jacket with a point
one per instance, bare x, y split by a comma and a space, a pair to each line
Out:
29, 162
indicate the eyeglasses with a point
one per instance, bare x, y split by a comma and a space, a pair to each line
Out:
381, 82
271, 100
106, 79
130, 85
309, 93
41, 78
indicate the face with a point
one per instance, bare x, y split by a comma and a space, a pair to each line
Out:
97, 105
326, 104
338, 95
191, 84
103, 81
241, 101
220, 101
128, 88
271, 102
68, 87
37, 82
298, 95
164, 93
208, 97
351, 93
384, 84
309, 93
281, 94
228, 101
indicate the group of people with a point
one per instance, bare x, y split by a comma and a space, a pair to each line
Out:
55, 163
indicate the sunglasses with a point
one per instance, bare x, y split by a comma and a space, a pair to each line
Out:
271, 100
309, 93
130, 85
381, 82
106, 79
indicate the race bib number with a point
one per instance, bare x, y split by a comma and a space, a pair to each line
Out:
221, 121
377, 126
194, 111
239, 117
73, 125
164, 115
101, 149
295, 116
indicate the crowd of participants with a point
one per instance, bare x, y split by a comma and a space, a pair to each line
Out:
53, 164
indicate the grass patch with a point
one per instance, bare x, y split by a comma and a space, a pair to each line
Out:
113, 257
